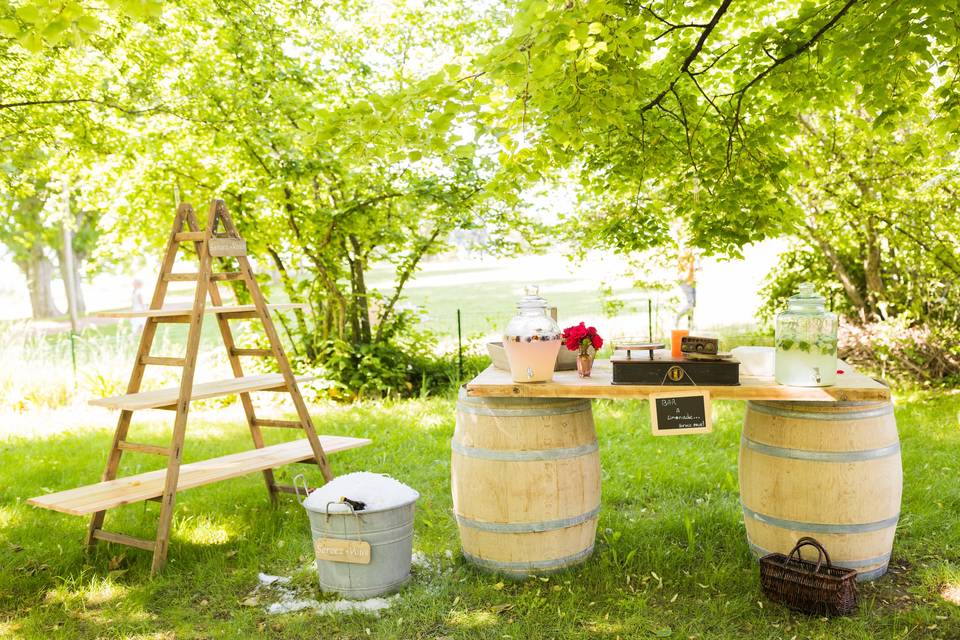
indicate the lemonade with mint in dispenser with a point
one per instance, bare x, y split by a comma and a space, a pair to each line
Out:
806, 354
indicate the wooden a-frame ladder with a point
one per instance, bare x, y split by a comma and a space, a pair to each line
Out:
210, 242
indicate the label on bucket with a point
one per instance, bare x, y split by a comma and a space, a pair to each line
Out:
336, 550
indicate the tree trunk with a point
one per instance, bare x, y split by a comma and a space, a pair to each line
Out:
39, 272
871, 267
290, 287
361, 315
849, 287
77, 262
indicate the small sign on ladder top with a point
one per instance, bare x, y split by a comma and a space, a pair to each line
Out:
227, 247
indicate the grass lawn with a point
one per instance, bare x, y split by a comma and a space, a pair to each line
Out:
671, 558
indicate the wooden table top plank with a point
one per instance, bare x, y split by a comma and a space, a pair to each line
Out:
852, 386
201, 391
179, 311
144, 486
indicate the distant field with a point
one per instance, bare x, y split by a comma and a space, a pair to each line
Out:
41, 355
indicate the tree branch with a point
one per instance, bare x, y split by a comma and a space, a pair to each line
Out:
104, 103
741, 92
708, 28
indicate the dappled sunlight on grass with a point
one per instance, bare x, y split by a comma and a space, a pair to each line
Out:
430, 422
9, 517
95, 591
604, 627
951, 593
671, 553
475, 619
9, 629
203, 530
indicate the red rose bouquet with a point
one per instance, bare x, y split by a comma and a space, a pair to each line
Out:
581, 337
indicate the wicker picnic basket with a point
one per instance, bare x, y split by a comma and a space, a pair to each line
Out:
808, 586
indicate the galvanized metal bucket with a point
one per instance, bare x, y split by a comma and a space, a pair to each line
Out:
389, 532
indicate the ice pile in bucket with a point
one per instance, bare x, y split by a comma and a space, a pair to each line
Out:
375, 490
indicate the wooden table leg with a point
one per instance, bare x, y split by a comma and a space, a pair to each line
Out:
526, 482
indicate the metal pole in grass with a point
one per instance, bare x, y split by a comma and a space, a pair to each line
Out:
69, 282
459, 350
649, 320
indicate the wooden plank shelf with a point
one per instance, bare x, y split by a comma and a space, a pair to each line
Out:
851, 386
201, 390
182, 311
147, 486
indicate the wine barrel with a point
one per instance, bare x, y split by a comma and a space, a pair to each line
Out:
827, 470
526, 483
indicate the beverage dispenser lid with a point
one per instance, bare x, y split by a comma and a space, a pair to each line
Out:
532, 298
806, 294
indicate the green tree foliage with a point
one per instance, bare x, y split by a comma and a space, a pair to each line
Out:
880, 227
338, 134
686, 109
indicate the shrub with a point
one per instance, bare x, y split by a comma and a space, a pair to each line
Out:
895, 350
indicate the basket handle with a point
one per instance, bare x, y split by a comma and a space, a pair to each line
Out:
807, 541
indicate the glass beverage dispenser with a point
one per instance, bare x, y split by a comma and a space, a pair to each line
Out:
532, 340
806, 354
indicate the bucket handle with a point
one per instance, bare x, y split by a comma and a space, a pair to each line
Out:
306, 489
352, 510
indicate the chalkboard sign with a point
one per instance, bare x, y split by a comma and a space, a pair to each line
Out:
680, 413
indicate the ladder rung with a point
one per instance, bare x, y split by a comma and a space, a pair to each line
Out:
182, 319
227, 275
287, 424
180, 277
161, 360
119, 538
190, 236
143, 448
238, 315
285, 488
251, 352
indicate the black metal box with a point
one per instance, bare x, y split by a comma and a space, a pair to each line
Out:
664, 369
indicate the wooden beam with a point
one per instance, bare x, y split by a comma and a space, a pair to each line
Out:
226, 275
285, 424
145, 486
190, 236
119, 538
164, 361
181, 277
265, 353
143, 448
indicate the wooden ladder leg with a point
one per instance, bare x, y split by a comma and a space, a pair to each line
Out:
235, 365
136, 375
168, 499
275, 345
110, 472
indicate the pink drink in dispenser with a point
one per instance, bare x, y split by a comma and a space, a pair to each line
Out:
532, 340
